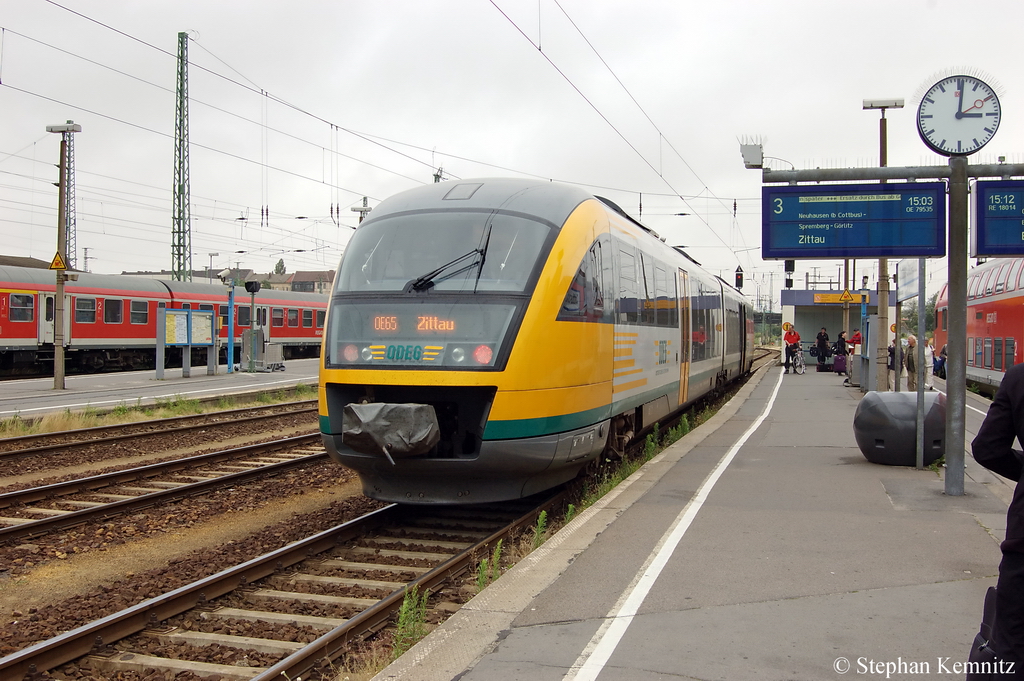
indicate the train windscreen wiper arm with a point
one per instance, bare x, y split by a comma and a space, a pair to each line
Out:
428, 280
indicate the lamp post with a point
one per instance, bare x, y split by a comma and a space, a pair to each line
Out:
209, 272
68, 128
882, 346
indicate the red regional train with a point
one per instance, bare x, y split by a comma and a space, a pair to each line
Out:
110, 320
995, 320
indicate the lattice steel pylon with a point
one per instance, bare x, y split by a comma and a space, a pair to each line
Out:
181, 212
70, 217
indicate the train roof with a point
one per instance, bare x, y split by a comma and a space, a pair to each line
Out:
86, 282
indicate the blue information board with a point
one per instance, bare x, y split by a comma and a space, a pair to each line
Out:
999, 228
854, 221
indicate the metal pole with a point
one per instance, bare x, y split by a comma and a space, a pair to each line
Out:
231, 326
956, 362
882, 345
922, 370
252, 333
62, 247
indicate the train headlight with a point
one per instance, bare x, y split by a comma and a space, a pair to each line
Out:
483, 354
458, 355
367, 354
350, 353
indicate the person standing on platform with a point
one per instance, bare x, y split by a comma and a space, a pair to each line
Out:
821, 343
895, 363
792, 341
912, 363
993, 449
929, 362
855, 340
940, 366
842, 350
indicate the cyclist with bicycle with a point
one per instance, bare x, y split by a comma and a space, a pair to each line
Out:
792, 342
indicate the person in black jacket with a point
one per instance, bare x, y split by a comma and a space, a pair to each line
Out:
993, 449
821, 344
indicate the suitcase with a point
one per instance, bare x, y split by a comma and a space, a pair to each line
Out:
824, 367
839, 364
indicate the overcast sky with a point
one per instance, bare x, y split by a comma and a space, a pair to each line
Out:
305, 107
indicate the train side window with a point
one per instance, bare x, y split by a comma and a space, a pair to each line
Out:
321, 317
970, 351
987, 357
584, 301
206, 306
979, 350
49, 308
186, 306
1011, 280
293, 317
278, 316
945, 313
222, 313
1000, 284
662, 301
972, 286
22, 307
990, 279
307, 319
646, 286
85, 310
113, 311
997, 354
139, 312
1011, 350
244, 318
628, 309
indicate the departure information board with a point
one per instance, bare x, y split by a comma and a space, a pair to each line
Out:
999, 227
854, 221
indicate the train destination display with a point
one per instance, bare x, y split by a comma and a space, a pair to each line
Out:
854, 221
999, 207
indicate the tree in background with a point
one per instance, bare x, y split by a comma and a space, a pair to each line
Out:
910, 315
279, 267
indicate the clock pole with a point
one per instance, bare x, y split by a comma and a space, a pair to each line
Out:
956, 362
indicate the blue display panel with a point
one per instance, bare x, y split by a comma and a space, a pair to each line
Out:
999, 228
854, 221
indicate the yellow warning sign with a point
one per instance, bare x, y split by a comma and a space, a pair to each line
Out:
844, 297
58, 263
786, 326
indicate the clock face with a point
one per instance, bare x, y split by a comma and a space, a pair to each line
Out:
958, 116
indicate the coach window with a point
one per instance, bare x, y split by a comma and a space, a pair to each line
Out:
1011, 349
628, 289
972, 286
206, 306
307, 319
646, 286
113, 311
1004, 272
664, 304
186, 306
970, 351
945, 313
278, 316
321, 317
222, 316
979, 350
85, 310
22, 307
997, 354
293, 317
990, 280
988, 353
244, 318
139, 313
1011, 280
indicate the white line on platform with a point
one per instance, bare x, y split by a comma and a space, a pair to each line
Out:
595, 655
983, 413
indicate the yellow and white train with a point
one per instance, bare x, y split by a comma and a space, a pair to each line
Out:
487, 339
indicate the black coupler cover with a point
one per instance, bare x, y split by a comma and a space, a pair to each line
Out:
398, 429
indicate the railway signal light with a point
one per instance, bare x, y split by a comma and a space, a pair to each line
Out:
739, 277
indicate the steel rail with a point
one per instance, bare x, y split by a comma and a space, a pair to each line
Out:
51, 524
206, 422
92, 637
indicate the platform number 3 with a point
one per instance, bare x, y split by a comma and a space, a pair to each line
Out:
778, 206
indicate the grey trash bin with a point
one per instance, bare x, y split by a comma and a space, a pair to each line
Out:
885, 427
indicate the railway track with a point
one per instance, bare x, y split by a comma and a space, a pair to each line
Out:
293, 611
74, 502
28, 445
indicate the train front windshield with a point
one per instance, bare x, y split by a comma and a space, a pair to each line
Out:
433, 289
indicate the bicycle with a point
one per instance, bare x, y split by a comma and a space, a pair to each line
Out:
798, 361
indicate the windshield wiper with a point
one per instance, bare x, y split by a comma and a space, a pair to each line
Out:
428, 280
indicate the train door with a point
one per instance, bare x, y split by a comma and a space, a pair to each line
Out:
262, 321
46, 317
741, 337
684, 336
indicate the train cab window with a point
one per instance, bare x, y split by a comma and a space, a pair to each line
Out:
22, 307
307, 319
1011, 350
944, 314
1011, 279
139, 312
293, 317
321, 317
997, 354
244, 317
584, 301
278, 316
987, 357
85, 310
113, 311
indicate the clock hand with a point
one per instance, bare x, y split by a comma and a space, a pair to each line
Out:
960, 103
978, 103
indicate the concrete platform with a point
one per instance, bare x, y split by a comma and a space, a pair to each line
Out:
794, 559
34, 397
